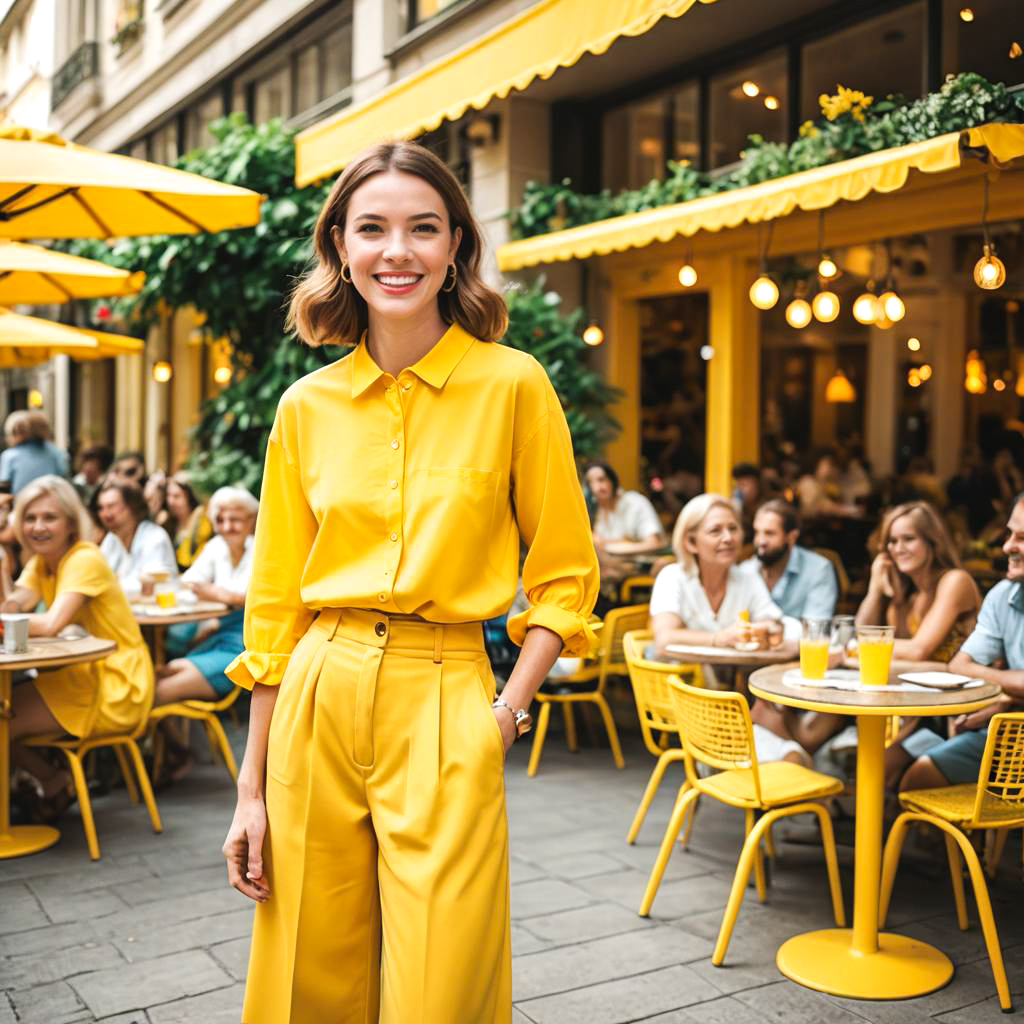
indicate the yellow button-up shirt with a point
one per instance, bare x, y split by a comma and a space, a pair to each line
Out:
411, 494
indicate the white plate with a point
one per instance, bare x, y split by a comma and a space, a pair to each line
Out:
937, 680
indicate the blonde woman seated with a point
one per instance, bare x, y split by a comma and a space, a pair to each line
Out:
698, 600
77, 586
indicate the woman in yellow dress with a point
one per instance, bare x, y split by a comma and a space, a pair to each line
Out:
77, 585
370, 825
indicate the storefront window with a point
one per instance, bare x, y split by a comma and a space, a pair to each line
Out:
748, 100
980, 36
198, 119
307, 78
640, 138
420, 10
880, 56
272, 95
337, 60
164, 144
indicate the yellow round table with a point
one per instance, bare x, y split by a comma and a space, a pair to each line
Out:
43, 652
861, 962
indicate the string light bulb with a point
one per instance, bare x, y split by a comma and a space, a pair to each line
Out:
866, 308
750, 88
222, 375
771, 102
839, 388
764, 292
162, 371
825, 306
914, 344
924, 371
999, 384
966, 14
827, 267
892, 306
593, 335
989, 271
687, 275
798, 313
914, 377
975, 378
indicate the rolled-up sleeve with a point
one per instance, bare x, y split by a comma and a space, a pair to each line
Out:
986, 645
560, 574
275, 616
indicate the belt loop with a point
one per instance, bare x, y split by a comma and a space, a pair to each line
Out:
336, 614
438, 643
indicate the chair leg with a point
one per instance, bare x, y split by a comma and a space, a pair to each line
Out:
219, 741
675, 823
999, 837
690, 819
147, 789
84, 804
759, 877
609, 725
890, 862
538, 738
159, 749
956, 876
828, 843
127, 775
571, 740
653, 782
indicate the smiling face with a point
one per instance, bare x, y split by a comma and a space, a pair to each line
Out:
1014, 546
398, 245
234, 523
910, 552
47, 529
113, 511
716, 542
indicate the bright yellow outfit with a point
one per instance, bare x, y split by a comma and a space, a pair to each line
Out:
104, 697
387, 849
192, 538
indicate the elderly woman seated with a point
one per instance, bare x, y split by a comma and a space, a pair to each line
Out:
221, 573
76, 585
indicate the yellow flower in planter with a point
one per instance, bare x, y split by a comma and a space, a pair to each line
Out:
851, 101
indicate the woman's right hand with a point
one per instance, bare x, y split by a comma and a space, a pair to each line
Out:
243, 848
882, 575
736, 633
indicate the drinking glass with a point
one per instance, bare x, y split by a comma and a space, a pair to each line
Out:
814, 641
166, 594
843, 631
874, 649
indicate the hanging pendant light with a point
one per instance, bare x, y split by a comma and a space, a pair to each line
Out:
593, 335
825, 306
827, 268
840, 389
687, 275
764, 292
865, 307
892, 306
989, 271
975, 378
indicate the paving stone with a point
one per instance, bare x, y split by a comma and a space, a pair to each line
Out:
42, 968
593, 863
48, 938
147, 918
135, 1017
163, 887
55, 1003
524, 941
792, 1004
89, 876
520, 870
593, 922
223, 1006
6, 1010
21, 909
626, 999
203, 930
718, 1011
80, 906
233, 956
544, 897
150, 982
988, 1012
675, 897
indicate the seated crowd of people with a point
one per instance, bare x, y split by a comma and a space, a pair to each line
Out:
79, 553
706, 593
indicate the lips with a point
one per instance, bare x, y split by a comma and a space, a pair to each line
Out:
398, 284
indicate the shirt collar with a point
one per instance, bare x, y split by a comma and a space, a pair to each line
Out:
434, 368
1017, 597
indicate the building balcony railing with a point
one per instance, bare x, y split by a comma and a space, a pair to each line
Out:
81, 66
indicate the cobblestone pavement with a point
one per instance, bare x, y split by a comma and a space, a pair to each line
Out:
151, 934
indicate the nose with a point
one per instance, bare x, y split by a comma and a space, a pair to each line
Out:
396, 250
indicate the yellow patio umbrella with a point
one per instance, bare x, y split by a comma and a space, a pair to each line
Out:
50, 188
32, 275
30, 340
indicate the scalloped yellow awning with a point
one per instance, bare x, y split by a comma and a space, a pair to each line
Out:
817, 189
549, 35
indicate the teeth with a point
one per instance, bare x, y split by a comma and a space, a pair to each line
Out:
398, 282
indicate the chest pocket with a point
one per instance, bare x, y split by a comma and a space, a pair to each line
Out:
467, 495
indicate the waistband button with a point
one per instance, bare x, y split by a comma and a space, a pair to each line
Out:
380, 629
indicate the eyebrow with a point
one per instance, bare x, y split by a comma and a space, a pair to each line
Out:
430, 215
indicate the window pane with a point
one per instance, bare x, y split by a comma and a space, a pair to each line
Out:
165, 143
423, 9
983, 44
307, 78
272, 95
197, 121
338, 60
880, 56
746, 101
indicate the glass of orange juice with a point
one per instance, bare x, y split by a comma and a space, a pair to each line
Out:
814, 641
166, 594
874, 649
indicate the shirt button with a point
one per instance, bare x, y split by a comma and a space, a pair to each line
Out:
382, 597
380, 629
394, 444
394, 484
394, 536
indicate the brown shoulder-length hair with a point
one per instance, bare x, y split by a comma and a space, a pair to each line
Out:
930, 528
324, 309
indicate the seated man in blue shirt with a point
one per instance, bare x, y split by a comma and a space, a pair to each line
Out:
801, 583
997, 638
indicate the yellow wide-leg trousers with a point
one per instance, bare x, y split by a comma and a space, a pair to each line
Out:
387, 848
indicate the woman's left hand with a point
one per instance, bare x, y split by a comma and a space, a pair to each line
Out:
204, 591
507, 725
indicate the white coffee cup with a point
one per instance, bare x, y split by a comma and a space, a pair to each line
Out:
15, 632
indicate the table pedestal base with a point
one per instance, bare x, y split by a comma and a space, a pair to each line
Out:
826, 961
22, 839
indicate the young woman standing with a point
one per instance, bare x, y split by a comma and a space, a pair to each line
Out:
370, 824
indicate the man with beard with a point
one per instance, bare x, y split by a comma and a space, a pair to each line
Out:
801, 583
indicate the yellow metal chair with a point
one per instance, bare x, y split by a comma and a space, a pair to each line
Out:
75, 749
994, 802
204, 711
654, 709
635, 586
716, 731
587, 685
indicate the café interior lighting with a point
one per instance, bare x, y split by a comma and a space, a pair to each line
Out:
35, 399
966, 14
798, 313
593, 335
914, 344
914, 377
865, 306
771, 102
750, 88
825, 306
975, 378
764, 292
706, 353
687, 275
827, 267
222, 375
989, 271
925, 371
162, 371
892, 306
839, 389
999, 384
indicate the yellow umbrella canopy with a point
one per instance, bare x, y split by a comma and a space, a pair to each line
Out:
30, 340
50, 188
33, 275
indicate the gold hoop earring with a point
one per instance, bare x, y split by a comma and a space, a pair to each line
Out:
347, 280
446, 287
